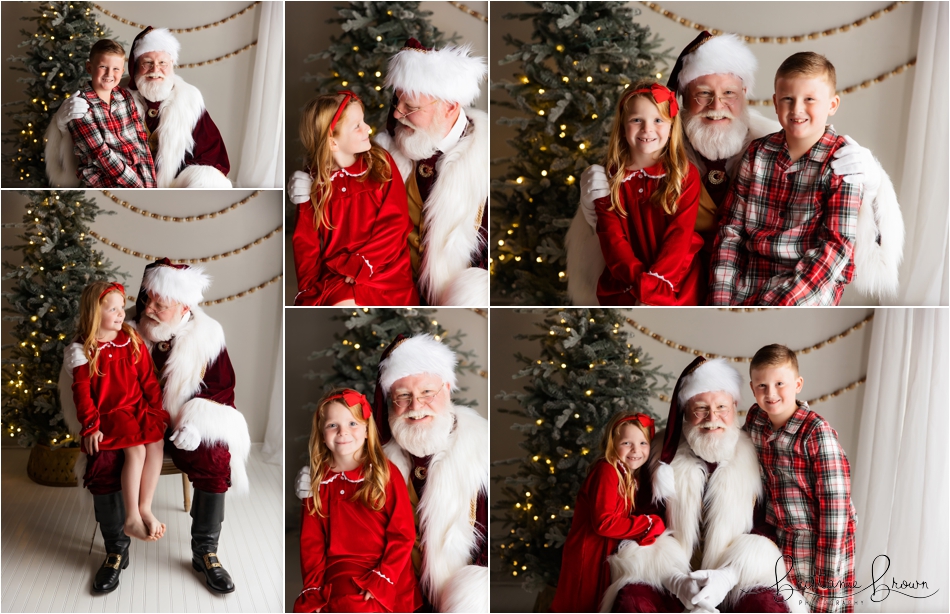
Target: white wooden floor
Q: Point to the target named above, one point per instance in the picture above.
(47, 567)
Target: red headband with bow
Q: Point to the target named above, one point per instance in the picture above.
(660, 94)
(644, 420)
(114, 286)
(347, 96)
(352, 398)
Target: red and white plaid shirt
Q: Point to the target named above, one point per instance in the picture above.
(808, 483)
(787, 232)
(111, 143)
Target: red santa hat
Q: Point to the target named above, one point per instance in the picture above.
(714, 55)
(154, 39)
(177, 282)
(407, 356)
(450, 73)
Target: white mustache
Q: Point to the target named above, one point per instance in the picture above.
(711, 425)
(154, 75)
(153, 317)
(418, 413)
(720, 114)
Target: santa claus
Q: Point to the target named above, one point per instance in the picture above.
(208, 439)
(714, 75)
(442, 449)
(186, 144)
(440, 145)
(717, 554)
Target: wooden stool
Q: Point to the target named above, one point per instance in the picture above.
(169, 468)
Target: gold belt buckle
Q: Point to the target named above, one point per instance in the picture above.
(109, 558)
(207, 559)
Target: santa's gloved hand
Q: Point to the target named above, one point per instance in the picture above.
(705, 606)
(858, 165)
(72, 108)
(594, 185)
(683, 588)
(298, 188)
(715, 584)
(185, 437)
(302, 485)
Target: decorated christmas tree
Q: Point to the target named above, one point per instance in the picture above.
(581, 56)
(56, 54)
(356, 353)
(587, 370)
(373, 33)
(58, 262)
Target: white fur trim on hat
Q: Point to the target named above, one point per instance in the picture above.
(449, 73)
(415, 355)
(159, 39)
(721, 54)
(711, 376)
(185, 286)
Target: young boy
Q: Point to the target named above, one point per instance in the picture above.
(807, 480)
(110, 139)
(788, 227)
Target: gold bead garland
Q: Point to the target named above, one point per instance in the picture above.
(273, 279)
(140, 26)
(471, 12)
(218, 59)
(695, 352)
(821, 399)
(480, 311)
(747, 309)
(781, 40)
(171, 218)
(131, 252)
(767, 102)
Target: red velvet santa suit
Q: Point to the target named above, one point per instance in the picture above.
(367, 242)
(125, 402)
(651, 256)
(601, 519)
(354, 548)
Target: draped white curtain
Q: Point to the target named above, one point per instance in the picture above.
(262, 156)
(273, 449)
(924, 189)
(899, 478)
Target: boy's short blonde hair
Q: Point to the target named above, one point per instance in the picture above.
(808, 64)
(774, 355)
(105, 46)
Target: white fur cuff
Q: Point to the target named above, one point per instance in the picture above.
(220, 423)
(466, 591)
(645, 564)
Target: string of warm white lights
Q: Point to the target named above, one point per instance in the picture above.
(131, 252)
(140, 26)
(683, 348)
(171, 218)
(781, 40)
(767, 102)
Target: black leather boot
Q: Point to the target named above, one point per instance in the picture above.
(207, 513)
(110, 514)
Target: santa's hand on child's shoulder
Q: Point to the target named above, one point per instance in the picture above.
(298, 188)
(594, 185)
(302, 484)
(72, 108)
(858, 165)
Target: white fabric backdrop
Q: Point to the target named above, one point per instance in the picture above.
(923, 192)
(262, 156)
(899, 478)
(273, 449)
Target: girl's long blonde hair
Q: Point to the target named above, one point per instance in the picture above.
(89, 319)
(673, 155)
(375, 465)
(315, 134)
(628, 479)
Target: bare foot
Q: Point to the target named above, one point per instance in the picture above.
(134, 527)
(156, 529)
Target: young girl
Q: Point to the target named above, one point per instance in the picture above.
(358, 531)
(119, 402)
(350, 243)
(646, 225)
(604, 515)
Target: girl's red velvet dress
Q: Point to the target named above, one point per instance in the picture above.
(125, 402)
(368, 242)
(354, 549)
(651, 255)
(601, 520)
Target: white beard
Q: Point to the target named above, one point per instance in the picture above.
(154, 91)
(154, 331)
(423, 439)
(416, 143)
(716, 142)
(711, 447)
